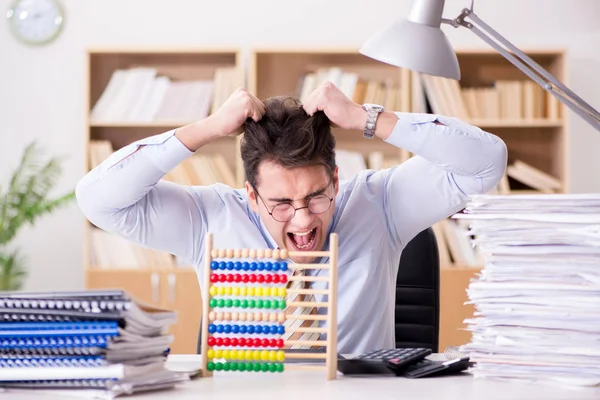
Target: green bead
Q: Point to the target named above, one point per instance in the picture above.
(244, 303)
(251, 303)
(236, 303)
(264, 367)
(279, 367)
(272, 367)
(213, 302)
(267, 304)
(210, 366)
(282, 304)
(227, 366)
(256, 367)
(234, 366)
(242, 366)
(220, 303)
(228, 303)
(259, 304)
(218, 366)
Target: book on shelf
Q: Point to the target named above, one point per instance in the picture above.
(95, 339)
(386, 92)
(512, 100)
(142, 95)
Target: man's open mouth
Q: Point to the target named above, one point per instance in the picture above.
(303, 240)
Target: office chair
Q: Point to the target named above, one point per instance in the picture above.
(418, 293)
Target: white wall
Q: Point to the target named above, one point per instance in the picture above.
(42, 89)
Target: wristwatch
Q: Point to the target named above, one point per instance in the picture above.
(373, 111)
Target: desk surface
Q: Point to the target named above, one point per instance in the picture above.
(311, 385)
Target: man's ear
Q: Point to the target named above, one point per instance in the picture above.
(251, 197)
(335, 181)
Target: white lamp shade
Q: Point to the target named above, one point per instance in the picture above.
(414, 46)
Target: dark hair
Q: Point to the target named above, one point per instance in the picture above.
(288, 136)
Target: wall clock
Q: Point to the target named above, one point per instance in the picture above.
(35, 22)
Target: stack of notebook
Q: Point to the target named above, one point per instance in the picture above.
(103, 341)
(537, 300)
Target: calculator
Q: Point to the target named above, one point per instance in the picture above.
(429, 368)
(374, 362)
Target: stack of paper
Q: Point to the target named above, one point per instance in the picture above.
(100, 340)
(537, 299)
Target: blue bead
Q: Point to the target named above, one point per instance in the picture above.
(250, 329)
(246, 266)
(220, 328)
(227, 329)
(212, 328)
(268, 266)
(253, 266)
(261, 329)
(281, 329)
(284, 266)
(237, 265)
(261, 266)
(243, 329)
(276, 266)
(222, 265)
(235, 329)
(214, 265)
(230, 265)
(274, 329)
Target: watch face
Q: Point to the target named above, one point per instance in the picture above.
(374, 107)
(35, 21)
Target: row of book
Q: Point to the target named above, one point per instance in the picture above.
(142, 94)
(387, 92)
(100, 343)
(513, 100)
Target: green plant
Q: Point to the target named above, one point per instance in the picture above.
(23, 202)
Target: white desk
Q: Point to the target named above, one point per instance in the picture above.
(308, 385)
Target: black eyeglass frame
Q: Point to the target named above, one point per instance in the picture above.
(307, 206)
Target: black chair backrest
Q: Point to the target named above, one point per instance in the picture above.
(418, 293)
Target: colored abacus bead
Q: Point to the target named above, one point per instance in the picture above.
(284, 266)
(229, 265)
(268, 253)
(214, 278)
(283, 254)
(276, 254)
(214, 265)
(237, 253)
(211, 341)
(212, 328)
(210, 366)
(212, 315)
(214, 253)
(245, 253)
(212, 303)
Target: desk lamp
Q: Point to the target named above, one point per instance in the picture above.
(418, 43)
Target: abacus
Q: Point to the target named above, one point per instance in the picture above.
(249, 285)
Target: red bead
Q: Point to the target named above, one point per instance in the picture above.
(237, 278)
(252, 278)
(229, 277)
(235, 342)
(264, 343)
(256, 342)
(260, 278)
(279, 343)
(242, 341)
(218, 341)
(222, 277)
(268, 278)
(226, 341)
(245, 278)
(214, 278)
(211, 341)
(272, 342)
(282, 278)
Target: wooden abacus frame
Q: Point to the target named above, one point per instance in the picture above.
(331, 305)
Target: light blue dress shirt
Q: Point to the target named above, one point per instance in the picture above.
(376, 213)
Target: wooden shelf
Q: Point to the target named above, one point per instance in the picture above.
(151, 124)
(519, 124)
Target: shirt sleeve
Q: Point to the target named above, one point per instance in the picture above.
(124, 195)
(451, 162)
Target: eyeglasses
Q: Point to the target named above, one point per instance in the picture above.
(284, 212)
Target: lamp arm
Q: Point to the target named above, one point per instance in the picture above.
(528, 66)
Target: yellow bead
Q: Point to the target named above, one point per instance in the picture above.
(248, 355)
(235, 291)
(256, 355)
(243, 291)
(264, 355)
(226, 354)
(272, 356)
(218, 353)
(250, 291)
(210, 353)
(281, 291)
(220, 290)
(280, 356)
(258, 291)
(212, 290)
(240, 354)
(228, 291)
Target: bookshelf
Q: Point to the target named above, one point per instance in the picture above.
(492, 94)
(134, 93)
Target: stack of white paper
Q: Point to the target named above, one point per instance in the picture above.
(537, 299)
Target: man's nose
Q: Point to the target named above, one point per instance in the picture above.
(303, 218)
